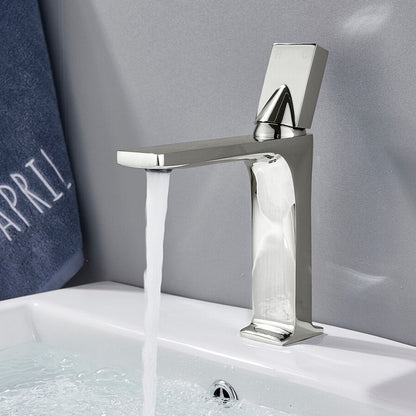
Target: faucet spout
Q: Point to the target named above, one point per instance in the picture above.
(199, 153)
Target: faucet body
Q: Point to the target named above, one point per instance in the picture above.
(282, 309)
(279, 158)
(281, 231)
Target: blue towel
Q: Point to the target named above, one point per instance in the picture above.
(40, 237)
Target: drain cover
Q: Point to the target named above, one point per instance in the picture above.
(224, 392)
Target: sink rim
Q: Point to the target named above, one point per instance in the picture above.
(350, 364)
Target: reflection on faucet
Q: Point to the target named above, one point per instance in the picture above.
(279, 158)
(269, 121)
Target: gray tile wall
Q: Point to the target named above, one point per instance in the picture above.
(133, 73)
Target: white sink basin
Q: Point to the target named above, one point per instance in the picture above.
(341, 373)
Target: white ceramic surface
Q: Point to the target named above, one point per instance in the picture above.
(340, 373)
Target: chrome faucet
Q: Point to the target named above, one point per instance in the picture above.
(279, 158)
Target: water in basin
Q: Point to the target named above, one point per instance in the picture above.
(38, 380)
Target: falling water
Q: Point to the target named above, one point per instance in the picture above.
(37, 379)
(156, 207)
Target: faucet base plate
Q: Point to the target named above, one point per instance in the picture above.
(281, 336)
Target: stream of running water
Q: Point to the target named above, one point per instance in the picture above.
(156, 207)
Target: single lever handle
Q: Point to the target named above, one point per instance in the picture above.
(270, 118)
(300, 67)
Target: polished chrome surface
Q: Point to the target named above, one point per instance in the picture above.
(275, 108)
(224, 392)
(279, 158)
(269, 121)
(281, 250)
(199, 153)
(301, 68)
